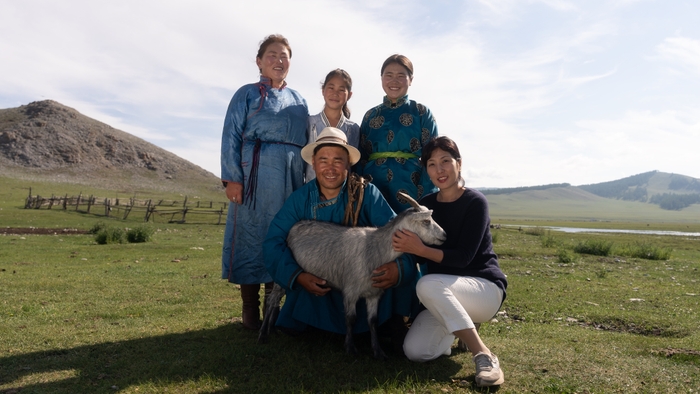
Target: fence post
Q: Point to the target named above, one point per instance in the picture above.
(148, 210)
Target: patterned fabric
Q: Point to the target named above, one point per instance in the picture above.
(301, 308)
(264, 131)
(319, 122)
(391, 141)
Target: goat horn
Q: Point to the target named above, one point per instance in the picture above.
(411, 201)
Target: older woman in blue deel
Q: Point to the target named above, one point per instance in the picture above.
(261, 165)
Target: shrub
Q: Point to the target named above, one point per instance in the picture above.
(548, 240)
(97, 227)
(594, 247)
(566, 257)
(602, 273)
(110, 235)
(494, 236)
(139, 234)
(647, 251)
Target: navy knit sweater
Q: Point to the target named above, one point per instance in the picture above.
(468, 250)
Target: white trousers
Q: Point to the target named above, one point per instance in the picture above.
(453, 303)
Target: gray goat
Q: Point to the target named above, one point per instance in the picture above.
(345, 257)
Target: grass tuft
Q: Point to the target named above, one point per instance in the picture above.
(138, 234)
(565, 256)
(644, 250)
(110, 235)
(594, 247)
(97, 227)
(548, 240)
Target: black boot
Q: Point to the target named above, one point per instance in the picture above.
(251, 306)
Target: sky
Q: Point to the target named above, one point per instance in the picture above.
(534, 92)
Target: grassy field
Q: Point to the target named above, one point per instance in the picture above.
(77, 317)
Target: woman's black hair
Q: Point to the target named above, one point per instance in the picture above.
(446, 144)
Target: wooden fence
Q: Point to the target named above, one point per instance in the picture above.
(177, 211)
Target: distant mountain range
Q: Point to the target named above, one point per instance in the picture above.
(668, 191)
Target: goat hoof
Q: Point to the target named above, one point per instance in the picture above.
(352, 350)
(380, 356)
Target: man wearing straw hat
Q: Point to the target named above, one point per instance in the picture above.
(333, 197)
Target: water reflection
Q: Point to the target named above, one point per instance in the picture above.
(607, 230)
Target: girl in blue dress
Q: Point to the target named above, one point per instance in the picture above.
(261, 165)
(392, 136)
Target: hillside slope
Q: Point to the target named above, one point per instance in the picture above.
(572, 203)
(668, 191)
(46, 140)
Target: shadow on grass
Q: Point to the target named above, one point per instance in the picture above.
(225, 359)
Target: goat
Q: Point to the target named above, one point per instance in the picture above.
(345, 257)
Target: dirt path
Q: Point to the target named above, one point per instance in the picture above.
(40, 231)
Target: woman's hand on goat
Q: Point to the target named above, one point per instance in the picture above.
(406, 241)
(386, 276)
(313, 284)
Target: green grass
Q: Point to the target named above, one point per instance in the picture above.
(155, 317)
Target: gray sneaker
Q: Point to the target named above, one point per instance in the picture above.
(488, 370)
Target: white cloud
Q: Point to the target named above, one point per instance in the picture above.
(534, 92)
(681, 51)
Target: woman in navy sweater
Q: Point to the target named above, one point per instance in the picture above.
(464, 284)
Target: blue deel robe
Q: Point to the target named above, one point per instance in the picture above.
(301, 308)
(405, 127)
(264, 131)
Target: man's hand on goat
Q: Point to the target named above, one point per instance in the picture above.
(386, 276)
(313, 284)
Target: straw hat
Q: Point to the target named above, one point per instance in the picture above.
(330, 135)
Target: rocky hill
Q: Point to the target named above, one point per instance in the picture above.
(49, 141)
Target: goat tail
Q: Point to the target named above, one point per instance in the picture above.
(272, 310)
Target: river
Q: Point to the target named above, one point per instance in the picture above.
(607, 230)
